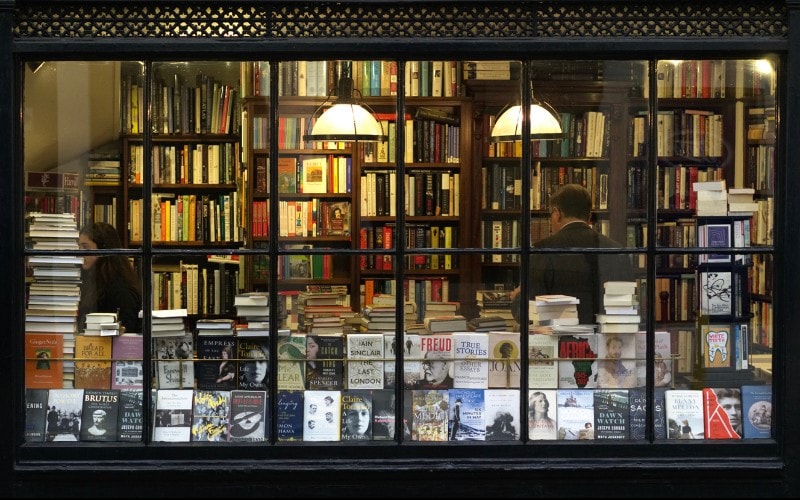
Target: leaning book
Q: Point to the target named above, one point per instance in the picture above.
(757, 411)
(64, 415)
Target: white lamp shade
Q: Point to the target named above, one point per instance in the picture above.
(346, 122)
(508, 126)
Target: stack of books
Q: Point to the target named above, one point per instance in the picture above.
(446, 323)
(168, 322)
(102, 324)
(712, 198)
(553, 310)
(741, 202)
(215, 326)
(621, 307)
(495, 303)
(323, 311)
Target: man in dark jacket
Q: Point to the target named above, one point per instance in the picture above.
(579, 275)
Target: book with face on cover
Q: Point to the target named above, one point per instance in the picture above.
(99, 415)
(685, 413)
(249, 418)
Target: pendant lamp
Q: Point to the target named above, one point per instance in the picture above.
(544, 123)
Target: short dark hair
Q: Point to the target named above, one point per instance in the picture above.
(573, 200)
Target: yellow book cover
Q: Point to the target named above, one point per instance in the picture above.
(95, 372)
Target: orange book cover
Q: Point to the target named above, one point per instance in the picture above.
(44, 368)
(95, 371)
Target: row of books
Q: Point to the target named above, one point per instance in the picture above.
(712, 79)
(310, 218)
(189, 217)
(427, 192)
(683, 132)
(311, 174)
(420, 235)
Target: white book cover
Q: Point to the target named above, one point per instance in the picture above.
(715, 293)
(322, 415)
(173, 415)
(365, 365)
(684, 412)
(542, 364)
(542, 414)
(575, 414)
(503, 422)
(412, 360)
(471, 356)
(663, 359)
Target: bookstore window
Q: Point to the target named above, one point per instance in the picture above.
(386, 272)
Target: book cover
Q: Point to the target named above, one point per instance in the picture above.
(219, 372)
(292, 362)
(429, 420)
(249, 417)
(173, 415)
(384, 416)
(35, 415)
(542, 414)
(612, 417)
(637, 398)
(210, 415)
(436, 366)
(357, 415)
(722, 412)
(412, 360)
(314, 178)
(577, 365)
(466, 415)
(684, 412)
(95, 372)
(471, 360)
(44, 368)
(501, 415)
(64, 414)
(126, 367)
(616, 360)
(575, 413)
(252, 363)
(99, 415)
(130, 420)
(718, 236)
(542, 364)
(505, 360)
(365, 361)
(716, 350)
(757, 411)
(289, 415)
(325, 362)
(287, 175)
(663, 359)
(716, 293)
(389, 363)
(174, 361)
(322, 415)
(338, 219)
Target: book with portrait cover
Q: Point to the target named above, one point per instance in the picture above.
(44, 368)
(723, 413)
(322, 415)
(467, 417)
(577, 365)
(501, 415)
(174, 361)
(575, 413)
(757, 411)
(99, 415)
(389, 363)
(471, 360)
(95, 371)
(325, 362)
(130, 421)
(252, 355)
(287, 175)
(357, 415)
(384, 415)
(542, 414)
(612, 414)
(126, 367)
(429, 414)
(215, 367)
(684, 412)
(35, 415)
(412, 360)
(64, 414)
(437, 361)
(616, 360)
(173, 415)
(210, 416)
(249, 418)
(289, 416)
(336, 222)
(542, 364)
(292, 362)
(365, 361)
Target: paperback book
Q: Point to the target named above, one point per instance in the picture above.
(501, 415)
(249, 416)
(575, 414)
(99, 415)
(210, 416)
(467, 420)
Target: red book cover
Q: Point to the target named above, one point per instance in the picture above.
(44, 368)
(362, 259)
(722, 412)
(388, 243)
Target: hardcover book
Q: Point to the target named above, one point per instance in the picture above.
(684, 412)
(252, 363)
(287, 175)
(577, 365)
(325, 362)
(384, 414)
(35, 415)
(757, 411)
(467, 418)
(289, 416)
(716, 345)
(64, 414)
(429, 414)
(663, 359)
(220, 371)
(292, 362)
(723, 413)
(314, 177)
(210, 415)
(542, 364)
(44, 368)
(322, 415)
(471, 360)
(542, 414)
(501, 415)
(365, 361)
(357, 415)
(126, 368)
(716, 296)
(616, 360)
(336, 222)
(173, 415)
(130, 421)
(249, 418)
(412, 360)
(575, 414)
(505, 360)
(95, 372)
(389, 364)
(174, 361)
(99, 415)
(611, 414)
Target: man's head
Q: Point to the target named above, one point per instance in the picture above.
(730, 401)
(614, 347)
(98, 417)
(571, 201)
(435, 367)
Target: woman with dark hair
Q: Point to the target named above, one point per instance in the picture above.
(109, 283)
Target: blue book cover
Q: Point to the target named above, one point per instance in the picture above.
(757, 411)
(290, 416)
(466, 415)
(375, 78)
